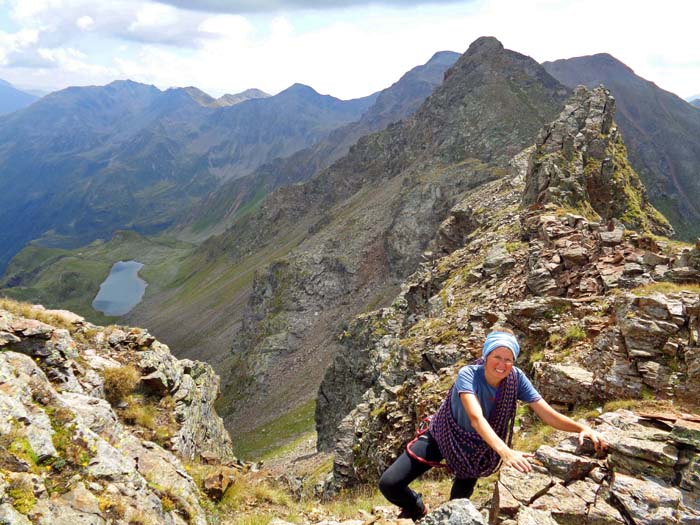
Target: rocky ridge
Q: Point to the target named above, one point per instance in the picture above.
(603, 313)
(367, 218)
(97, 424)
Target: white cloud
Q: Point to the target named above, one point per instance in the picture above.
(154, 16)
(345, 52)
(14, 45)
(85, 22)
(264, 6)
(231, 27)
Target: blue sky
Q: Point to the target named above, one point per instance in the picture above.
(348, 48)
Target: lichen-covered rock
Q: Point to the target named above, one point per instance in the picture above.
(605, 491)
(71, 457)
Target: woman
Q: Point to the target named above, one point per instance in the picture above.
(473, 428)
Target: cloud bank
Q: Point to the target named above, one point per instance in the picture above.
(268, 6)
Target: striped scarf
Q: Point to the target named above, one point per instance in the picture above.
(466, 453)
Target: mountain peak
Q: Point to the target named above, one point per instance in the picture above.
(443, 57)
(298, 89)
(129, 84)
(248, 94)
(485, 45)
(200, 97)
(489, 83)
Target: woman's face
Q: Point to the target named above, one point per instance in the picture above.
(498, 365)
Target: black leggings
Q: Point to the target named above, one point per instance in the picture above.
(395, 480)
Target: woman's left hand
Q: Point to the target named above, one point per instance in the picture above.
(599, 441)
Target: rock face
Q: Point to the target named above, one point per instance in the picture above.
(580, 162)
(602, 313)
(68, 455)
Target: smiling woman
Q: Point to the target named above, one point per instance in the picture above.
(473, 429)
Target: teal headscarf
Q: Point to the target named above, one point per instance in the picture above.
(497, 339)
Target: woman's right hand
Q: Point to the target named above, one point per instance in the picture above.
(517, 460)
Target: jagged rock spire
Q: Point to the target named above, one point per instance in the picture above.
(580, 161)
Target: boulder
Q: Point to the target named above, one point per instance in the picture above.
(455, 512)
(217, 482)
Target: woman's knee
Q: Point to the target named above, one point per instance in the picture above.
(387, 483)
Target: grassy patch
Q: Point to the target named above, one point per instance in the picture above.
(30, 311)
(119, 382)
(573, 334)
(140, 414)
(247, 492)
(267, 438)
(22, 495)
(666, 288)
(348, 504)
(258, 518)
(531, 439)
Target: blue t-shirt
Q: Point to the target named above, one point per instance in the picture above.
(471, 379)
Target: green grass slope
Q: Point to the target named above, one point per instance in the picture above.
(70, 279)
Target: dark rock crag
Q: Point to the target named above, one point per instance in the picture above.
(581, 162)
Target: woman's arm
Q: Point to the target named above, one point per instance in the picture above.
(510, 457)
(561, 422)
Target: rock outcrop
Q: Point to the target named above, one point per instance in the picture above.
(95, 423)
(649, 475)
(660, 131)
(581, 162)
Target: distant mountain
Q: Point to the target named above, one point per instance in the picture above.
(695, 102)
(394, 103)
(12, 99)
(660, 132)
(248, 94)
(279, 283)
(85, 161)
(226, 100)
(693, 97)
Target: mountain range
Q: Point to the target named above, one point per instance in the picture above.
(312, 217)
(12, 99)
(129, 156)
(397, 101)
